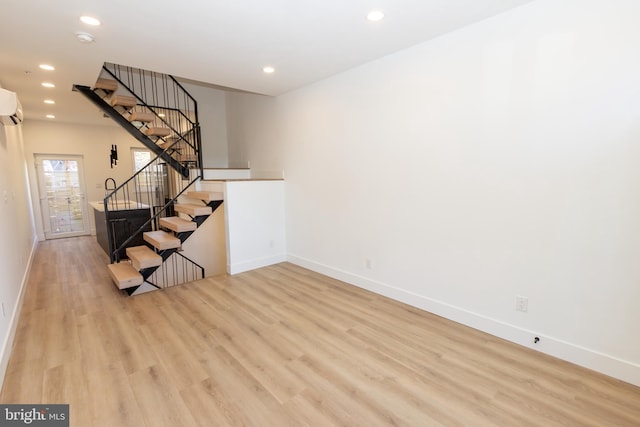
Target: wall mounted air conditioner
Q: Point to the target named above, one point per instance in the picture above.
(10, 108)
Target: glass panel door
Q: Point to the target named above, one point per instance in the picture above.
(60, 180)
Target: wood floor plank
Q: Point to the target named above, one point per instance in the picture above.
(65, 383)
(254, 354)
(211, 405)
(278, 346)
(159, 400)
(118, 406)
(23, 381)
(258, 404)
(122, 338)
(182, 364)
(92, 344)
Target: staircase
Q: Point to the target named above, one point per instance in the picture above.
(156, 110)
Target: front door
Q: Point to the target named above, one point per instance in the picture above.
(62, 195)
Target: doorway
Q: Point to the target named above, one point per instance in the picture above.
(62, 195)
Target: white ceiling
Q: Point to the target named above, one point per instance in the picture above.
(220, 42)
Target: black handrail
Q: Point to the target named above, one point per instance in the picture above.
(115, 254)
(143, 170)
(117, 72)
(126, 125)
(159, 81)
(153, 108)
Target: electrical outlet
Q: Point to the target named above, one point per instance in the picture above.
(522, 304)
(368, 264)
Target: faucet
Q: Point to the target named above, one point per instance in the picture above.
(107, 190)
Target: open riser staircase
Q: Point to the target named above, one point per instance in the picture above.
(156, 110)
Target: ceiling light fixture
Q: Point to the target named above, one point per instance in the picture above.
(268, 70)
(47, 84)
(375, 15)
(50, 116)
(47, 67)
(49, 101)
(85, 37)
(160, 115)
(90, 20)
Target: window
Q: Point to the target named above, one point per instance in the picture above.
(150, 181)
(146, 180)
(140, 158)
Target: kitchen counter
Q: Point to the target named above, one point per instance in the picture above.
(118, 205)
(119, 223)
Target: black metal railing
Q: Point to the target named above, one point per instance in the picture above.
(176, 269)
(142, 200)
(165, 120)
(119, 115)
(172, 106)
(158, 91)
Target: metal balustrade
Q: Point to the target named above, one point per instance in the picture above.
(156, 110)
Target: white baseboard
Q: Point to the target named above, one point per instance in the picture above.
(606, 364)
(241, 267)
(7, 345)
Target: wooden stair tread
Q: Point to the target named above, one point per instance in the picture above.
(178, 224)
(124, 275)
(157, 132)
(107, 85)
(177, 146)
(189, 157)
(123, 101)
(141, 116)
(193, 210)
(207, 196)
(161, 240)
(143, 257)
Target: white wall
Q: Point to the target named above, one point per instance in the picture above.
(91, 142)
(207, 245)
(213, 124)
(497, 161)
(255, 224)
(18, 242)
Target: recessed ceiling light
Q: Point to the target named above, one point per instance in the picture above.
(375, 15)
(268, 70)
(85, 37)
(90, 20)
(47, 84)
(160, 115)
(47, 67)
(50, 116)
(49, 101)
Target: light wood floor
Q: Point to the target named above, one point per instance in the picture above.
(280, 346)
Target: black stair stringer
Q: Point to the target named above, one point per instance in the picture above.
(165, 254)
(214, 204)
(131, 129)
(131, 290)
(183, 236)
